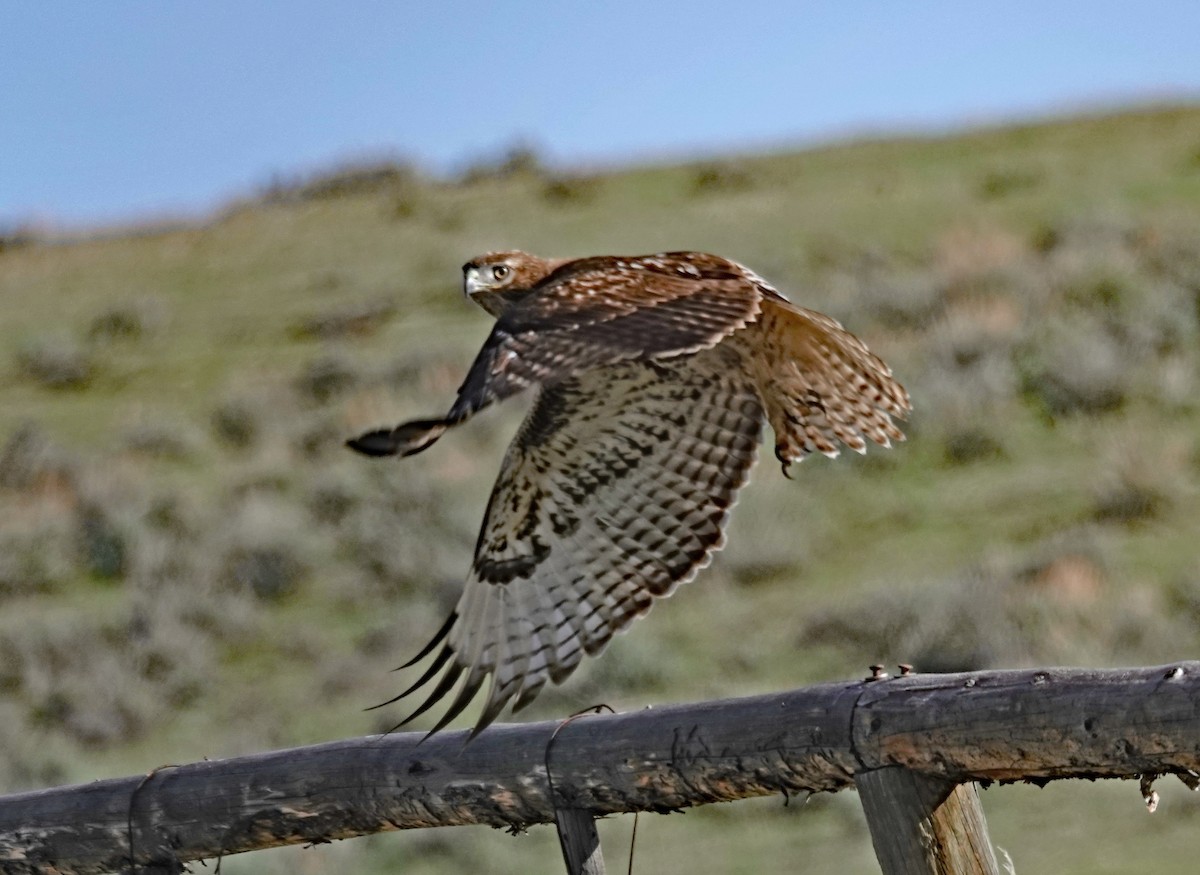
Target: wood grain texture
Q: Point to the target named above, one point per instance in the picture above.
(580, 841)
(1003, 725)
(925, 825)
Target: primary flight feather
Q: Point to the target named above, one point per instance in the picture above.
(653, 375)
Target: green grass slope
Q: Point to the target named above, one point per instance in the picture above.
(192, 566)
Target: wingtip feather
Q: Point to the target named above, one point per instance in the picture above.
(406, 439)
(433, 642)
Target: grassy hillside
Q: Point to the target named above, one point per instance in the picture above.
(192, 566)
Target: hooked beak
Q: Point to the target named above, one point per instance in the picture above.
(477, 290)
(471, 281)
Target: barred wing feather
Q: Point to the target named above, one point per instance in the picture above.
(615, 490)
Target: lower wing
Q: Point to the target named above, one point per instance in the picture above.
(615, 490)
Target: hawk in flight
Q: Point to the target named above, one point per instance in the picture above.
(653, 376)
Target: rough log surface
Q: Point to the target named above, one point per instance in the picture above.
(1010, 725)
(1044, 723)
(924, 824)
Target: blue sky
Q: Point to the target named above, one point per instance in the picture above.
(119, 110)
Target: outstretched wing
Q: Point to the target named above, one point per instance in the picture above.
(615, 490)
(604, 310)
(590, 313)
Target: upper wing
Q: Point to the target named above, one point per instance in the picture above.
(615, 490)
(589, 313)
(604, 310)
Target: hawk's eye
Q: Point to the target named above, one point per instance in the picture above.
(500, 271)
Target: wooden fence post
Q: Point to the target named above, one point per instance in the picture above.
(580, 841)
(924, 824)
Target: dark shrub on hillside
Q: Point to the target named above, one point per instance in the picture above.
(170, 514)
(102, 546)
(103, 681)
(331, 499)
(265, 550)
(566, 190)
(517, 160)
(16, 239)
(270, 572)
(971, 444)
(23, 457)
(326, 377)
(720, 177)
(904, 301)
(160, 440)
(1003, 182)
(1045, 239)
(34, 561)
(345, 181)
(57, 363)
(1074, 367)
(1140, 476)
(1044, 604)
(350, 320)
(1128, 503)
(236, 424)
(131, 320)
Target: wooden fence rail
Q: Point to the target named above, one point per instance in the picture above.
(912, 745)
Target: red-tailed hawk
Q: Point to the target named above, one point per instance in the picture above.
(653, 375)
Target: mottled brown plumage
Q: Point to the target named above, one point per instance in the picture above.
(653, 376)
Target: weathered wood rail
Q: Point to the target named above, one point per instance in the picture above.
(913, 746)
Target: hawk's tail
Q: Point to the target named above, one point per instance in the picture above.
(406, 439)
(822, 388)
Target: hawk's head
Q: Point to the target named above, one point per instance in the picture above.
(497, 279)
